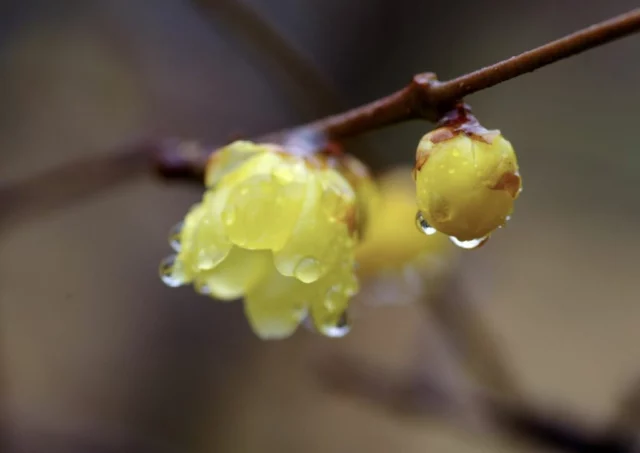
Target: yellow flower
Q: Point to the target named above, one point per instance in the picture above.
(277, 230)
(396, 262)
(467, 180)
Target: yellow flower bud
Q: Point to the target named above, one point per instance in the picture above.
(277, 230)
(466, 181)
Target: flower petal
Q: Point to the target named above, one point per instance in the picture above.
(319, 237)
(275, 306)
(261, 212)
(240, 271)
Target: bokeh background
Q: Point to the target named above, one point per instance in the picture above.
(97, 355)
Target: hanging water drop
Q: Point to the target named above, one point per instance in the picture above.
(423, 225)
(339, 329)
(174, 236)
(470, 244)
(202, 288)
(167, 272)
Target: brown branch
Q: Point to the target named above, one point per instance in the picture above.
(71, 183)
(427, 98)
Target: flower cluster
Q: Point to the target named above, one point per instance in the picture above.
(278, 230)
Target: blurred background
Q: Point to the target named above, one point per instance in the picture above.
(97, 355)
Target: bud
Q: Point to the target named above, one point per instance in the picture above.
(466, 179)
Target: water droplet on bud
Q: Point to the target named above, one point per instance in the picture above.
(470, 244)
(167, 274)
(423, 225)
(174, 236)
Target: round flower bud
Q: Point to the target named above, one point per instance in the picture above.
(467, 180)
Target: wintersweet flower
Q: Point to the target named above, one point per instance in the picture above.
(278, 230)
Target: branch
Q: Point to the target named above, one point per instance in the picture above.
(73, 182)
(427, 98)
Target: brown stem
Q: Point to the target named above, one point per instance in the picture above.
(427, 98)
(573, 44)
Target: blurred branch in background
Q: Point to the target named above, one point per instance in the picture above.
(470, 408)
(459, 322)
(300, 79)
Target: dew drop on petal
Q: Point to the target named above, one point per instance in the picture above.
(470, 244)
(174, 236)
(308, 270)
(423, 225)
(167, 273)
(229, 216)
(205, 261)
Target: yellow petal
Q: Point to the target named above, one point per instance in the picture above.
(275, 306)
(261, 212)
(319, 236)
(240, 271)
(230, 157)
(329, 299)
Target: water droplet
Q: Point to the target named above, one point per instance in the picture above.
(229, 216)
(205, 260)
(174, 236)
(202, 288)
(308, 270)
(423, 226)
(470, 244)
(339, 329)
(167, 273)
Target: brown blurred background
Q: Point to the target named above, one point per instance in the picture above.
(97, 355)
